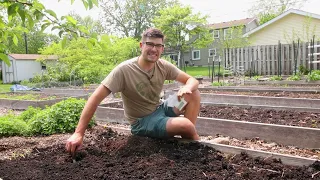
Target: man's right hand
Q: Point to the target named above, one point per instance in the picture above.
(74, 143)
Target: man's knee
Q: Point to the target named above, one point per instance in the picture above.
(194, 96)
(180, 125)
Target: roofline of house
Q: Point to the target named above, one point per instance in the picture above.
(37, 55)
(253, 19)
(295, 11)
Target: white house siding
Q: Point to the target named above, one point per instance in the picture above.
(9, 72)
(271, 34)
(27, 69)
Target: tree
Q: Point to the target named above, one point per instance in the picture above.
(265, 10)
(93, 26)
(265, 17)
(36, 40)
(233, 39)
(178, 23)
(90, 64)
(31, 12)
(130, 18)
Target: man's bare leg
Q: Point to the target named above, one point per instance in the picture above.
(185, 126)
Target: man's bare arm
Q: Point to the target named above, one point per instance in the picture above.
(91, 106)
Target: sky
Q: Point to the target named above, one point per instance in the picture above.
(218, 10)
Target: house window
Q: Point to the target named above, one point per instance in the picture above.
(216, 34)
(227, 33)
(212, 52)
(196, 55)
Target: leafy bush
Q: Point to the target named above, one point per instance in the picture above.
(294, 78)
(12, 126)
(59, 118)
(275, 78)
(29, 113)
(303, 70)
(216, 83)
(256, 77)
(221, 83)
(314, 76)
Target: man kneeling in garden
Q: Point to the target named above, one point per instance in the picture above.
(140, 81)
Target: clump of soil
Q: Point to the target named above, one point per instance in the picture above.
(108, 155)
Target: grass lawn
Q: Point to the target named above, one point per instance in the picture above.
(5, 88)
(199, 71)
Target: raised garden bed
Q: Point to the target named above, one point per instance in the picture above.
(283, 82)
(21, 101)
(269, 116)
(109, 156)
(282, 134)
(312, 94)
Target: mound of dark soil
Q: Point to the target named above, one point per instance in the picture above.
(110, 156)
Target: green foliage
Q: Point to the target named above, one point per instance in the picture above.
(303, 70)
(36, 40)
(256, 77)
(233, 39)
(30, 13)
(29, 113)
(275, 78)
(294, 77)
(220, 83)
(314, 76)
(131, 17)
(265, 17)
(178, 22)
(216, 83)
(91, 65)
(61, 117)
(11, 126)
(18, 96)
(167, 58)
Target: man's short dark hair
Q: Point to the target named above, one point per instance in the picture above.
(152, 32)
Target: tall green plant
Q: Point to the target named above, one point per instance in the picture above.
(61, 117)
(31, 12)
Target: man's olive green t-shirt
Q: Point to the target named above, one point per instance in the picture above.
(140, 90)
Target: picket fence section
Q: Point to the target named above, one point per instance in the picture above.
(273, 59)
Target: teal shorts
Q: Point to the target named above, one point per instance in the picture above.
(154, 124)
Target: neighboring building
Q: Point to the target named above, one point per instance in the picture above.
(286, 27)
(200, 57)
(23, 67)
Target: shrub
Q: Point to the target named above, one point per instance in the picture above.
(12, 126)
(314, 76)
(303, 70)
(256, 77)
(29, 113)
(294, 78)
(275, 78)
(59, 118)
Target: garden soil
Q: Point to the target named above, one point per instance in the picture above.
(107, 155)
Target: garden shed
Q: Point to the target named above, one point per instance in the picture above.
(23, 67)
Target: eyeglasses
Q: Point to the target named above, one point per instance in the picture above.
(151, 45)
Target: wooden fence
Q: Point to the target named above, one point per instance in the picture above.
(273, 59)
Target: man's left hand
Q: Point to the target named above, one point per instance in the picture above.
(182, 91)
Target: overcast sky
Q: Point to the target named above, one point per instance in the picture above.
(218, 10)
